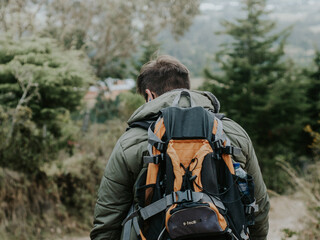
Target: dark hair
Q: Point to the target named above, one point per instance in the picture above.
(162, 75)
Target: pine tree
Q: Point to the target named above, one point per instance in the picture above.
(257, 88)
(250, 63)
(313, 93)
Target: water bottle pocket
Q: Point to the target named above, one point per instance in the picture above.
(246, 189)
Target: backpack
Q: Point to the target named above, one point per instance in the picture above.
(189, 189)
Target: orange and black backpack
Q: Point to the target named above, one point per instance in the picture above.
(189, 189)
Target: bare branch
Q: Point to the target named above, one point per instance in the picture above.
(25, 81)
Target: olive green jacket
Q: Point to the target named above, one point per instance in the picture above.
(116, 192)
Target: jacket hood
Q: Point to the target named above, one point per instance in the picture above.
(151, 109)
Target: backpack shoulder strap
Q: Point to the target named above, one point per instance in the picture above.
(140, 124)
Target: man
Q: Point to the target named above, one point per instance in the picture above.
(159, 82)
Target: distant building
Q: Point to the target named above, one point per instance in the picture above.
(111, 88)
(117, 86)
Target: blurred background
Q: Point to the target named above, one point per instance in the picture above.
(67, 87)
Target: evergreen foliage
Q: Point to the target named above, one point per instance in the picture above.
(258, 90)
(40, 84)
(313, 92)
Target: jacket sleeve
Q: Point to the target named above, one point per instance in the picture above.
(249, 162)
(114, 197)
(258, 231)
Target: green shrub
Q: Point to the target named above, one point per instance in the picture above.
(129, 102)
(40, 84)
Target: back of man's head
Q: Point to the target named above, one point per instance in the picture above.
(162, 75)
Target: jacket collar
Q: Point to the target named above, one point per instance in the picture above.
(151, 109)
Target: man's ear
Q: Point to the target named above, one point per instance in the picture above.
(150, 95)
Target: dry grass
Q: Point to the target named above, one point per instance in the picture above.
(30, 205)
(60, 199)
(309, 186)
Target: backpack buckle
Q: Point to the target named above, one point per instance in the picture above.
(218, 144)
(159, 146)
(185, 196)
(153, 159)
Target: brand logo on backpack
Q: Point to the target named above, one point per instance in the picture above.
(190, 189)
(189, 223)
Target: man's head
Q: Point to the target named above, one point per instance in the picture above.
(162, 75)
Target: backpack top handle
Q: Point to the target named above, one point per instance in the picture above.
(185, 93)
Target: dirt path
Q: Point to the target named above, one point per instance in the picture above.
(287, 214)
